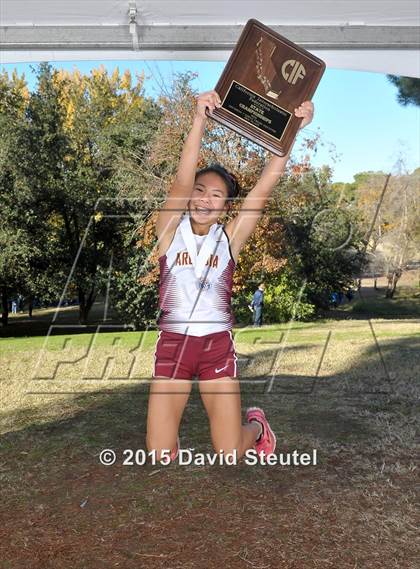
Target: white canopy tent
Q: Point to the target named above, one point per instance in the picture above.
(368, 35)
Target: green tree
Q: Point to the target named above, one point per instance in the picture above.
(76, 130)
(408, 89)
(19, 251)
(15, 254)
(135, 295)
(323, 237)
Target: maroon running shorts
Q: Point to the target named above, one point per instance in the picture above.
(181, 356)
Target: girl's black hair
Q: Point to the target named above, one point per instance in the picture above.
(230, 180)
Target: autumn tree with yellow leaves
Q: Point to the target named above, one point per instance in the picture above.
(65, 173)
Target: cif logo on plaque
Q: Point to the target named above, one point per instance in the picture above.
(293, 70)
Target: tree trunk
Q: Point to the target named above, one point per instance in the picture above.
(5, 307)
(85, 304)
(392, 283)
(30, 305)
(82, 308)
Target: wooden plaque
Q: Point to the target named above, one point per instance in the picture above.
(265, 79)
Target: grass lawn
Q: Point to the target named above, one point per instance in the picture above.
(348, 388)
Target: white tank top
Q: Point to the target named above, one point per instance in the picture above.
(196, 275)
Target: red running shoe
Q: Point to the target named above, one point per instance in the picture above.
(175, 451)
(267, 442)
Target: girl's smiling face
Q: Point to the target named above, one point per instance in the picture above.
(208, 199)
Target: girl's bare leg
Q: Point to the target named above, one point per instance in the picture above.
(222, 401)
(167, 401)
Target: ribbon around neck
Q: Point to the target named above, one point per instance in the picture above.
(198, 260)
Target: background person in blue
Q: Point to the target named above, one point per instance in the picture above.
(257, 305)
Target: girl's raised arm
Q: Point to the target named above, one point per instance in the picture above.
(182, 186)
(243, 225)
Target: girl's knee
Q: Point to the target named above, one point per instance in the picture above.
(160, 447)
